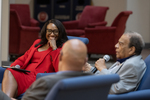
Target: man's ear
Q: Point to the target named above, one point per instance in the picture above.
(86, 59)
(132, 50)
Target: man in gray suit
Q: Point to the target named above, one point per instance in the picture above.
(73, 57)
(130, 65)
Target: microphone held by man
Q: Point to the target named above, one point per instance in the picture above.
(106, 58)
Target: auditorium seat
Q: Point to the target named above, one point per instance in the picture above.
(92, 87)
(83, 39)
(91, 16)
(23, 30)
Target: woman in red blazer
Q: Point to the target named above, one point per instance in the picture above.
(42, 57)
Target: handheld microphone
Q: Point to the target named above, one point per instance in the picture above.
(106, 58)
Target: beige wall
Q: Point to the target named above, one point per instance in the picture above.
(4, 30)
(139, 21)
(115, 6)
(0, 31)
(30, 2)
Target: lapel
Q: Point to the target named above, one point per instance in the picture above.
(116, 67)
(29, 57)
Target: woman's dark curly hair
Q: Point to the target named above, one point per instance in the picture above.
(62, 37)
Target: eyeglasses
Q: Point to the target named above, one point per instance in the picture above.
(55, 32)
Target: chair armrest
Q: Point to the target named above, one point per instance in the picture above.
(29, 28)
(92, 25)
(84, 40)
(100, 29)
(43, 74)
(1, 73)
(71, 24)
(34, 22)
(15, 17)
(135, 95)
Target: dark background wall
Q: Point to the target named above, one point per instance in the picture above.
(62, 10)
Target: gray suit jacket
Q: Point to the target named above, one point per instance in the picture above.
(40, 88)
(3, 96)
(130, 71)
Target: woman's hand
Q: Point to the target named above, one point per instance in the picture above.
(17, 66)
(52, 43)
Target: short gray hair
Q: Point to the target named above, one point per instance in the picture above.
(136, 40)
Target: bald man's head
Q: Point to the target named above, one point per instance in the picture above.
(73, 55)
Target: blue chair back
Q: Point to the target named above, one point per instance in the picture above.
(1, 73)
(145, 82)
(84, 40)
(93, 87)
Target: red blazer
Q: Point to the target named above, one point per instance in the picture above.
(47, 63)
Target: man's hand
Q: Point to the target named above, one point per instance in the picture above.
(87, 67)
(100, 64)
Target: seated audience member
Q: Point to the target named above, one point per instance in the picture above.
(73, 57)
(40, 58)
(130, 65)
